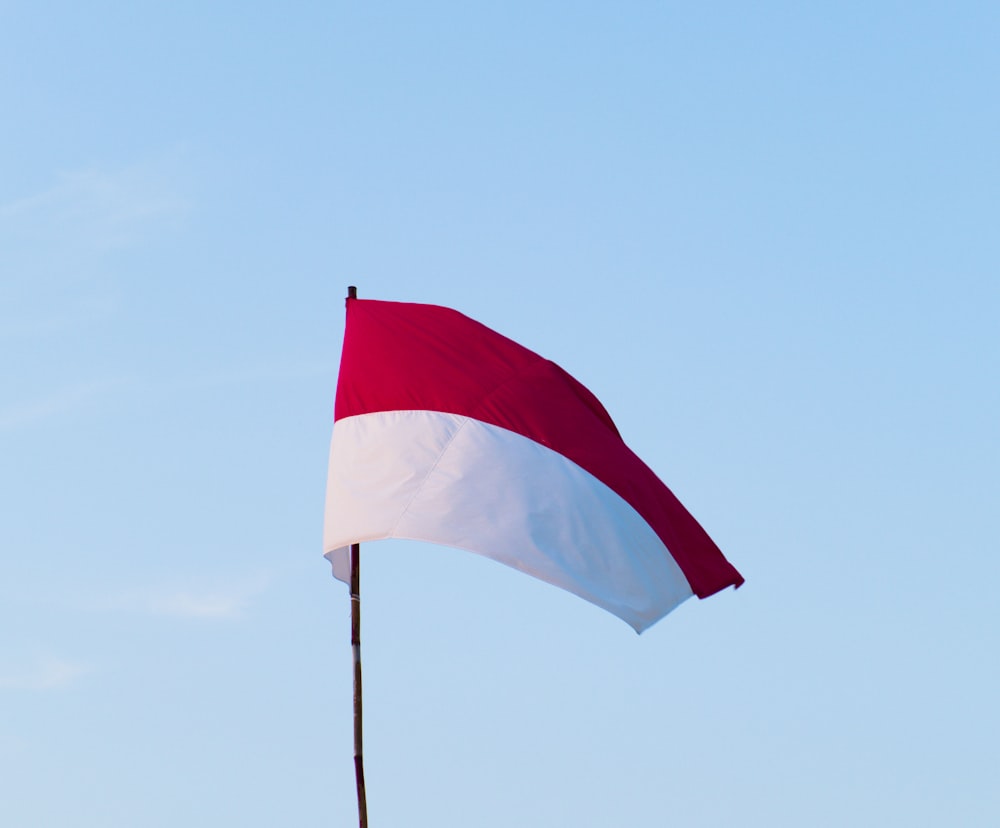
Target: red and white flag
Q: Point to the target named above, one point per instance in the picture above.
(447, 432)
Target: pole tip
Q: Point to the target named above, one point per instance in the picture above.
(352, 292)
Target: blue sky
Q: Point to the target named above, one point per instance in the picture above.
(764, 236)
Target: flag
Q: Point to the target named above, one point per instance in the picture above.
(446, 431)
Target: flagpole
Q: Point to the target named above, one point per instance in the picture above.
(359, 766)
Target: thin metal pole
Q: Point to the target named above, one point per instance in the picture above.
(359, 765)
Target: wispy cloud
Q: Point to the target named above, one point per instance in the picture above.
(61, 401)
(44, 673)
(59, 245)
(216, 600)
(96, 209)
(69, 314)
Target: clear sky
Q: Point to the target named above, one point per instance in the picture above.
(765, 235)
